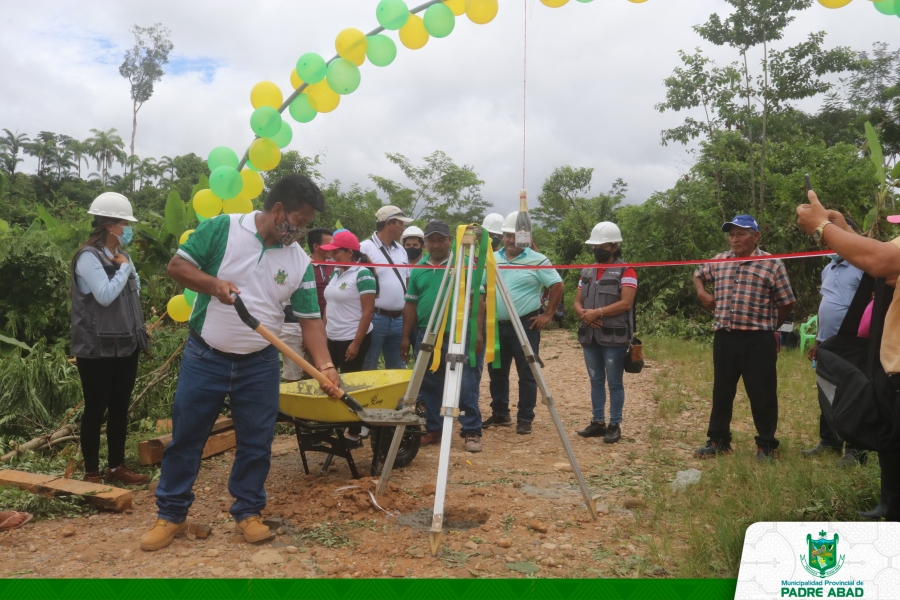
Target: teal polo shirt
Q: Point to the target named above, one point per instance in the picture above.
(423, 290)
(524, 285)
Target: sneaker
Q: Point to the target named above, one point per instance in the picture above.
(764, 454)
(161, 535)
(126, 476)
(613, 434)
(500, 420)
(431, 438)
(523, 427)
(594, 429)
(852, 458)
(92, 477)
(713, 449)
(254, 530)
(473, 442)
(821, 448)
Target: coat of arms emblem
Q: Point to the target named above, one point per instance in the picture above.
(823, 555)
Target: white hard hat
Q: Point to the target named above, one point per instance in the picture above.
(493, 223)
(412, 231)
(509, 223)
(604, 233)
(111, 204)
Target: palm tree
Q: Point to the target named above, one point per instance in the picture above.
(132, 162)
(14, 142)
(166, 165)
(106, 147)
(81, 153)
(42, 150)
(148, 170)
(63, 161)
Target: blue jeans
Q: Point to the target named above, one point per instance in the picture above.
(510, 351)
(606, 364)
(203, 381)
(386, 335)
(432, 393)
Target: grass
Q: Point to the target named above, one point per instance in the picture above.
(700, 532)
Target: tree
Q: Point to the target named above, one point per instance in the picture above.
(13, 142)
(442, 189)
(106, 147)
(80, 153)
(143, 66)
(165, 165)
(874, 90)
(43, 148)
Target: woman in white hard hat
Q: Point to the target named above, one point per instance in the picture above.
(605, 304)
(413, 241)
(108, 333)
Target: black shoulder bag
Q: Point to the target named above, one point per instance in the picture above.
(396, 272)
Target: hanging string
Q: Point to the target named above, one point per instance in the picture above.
(524, 86)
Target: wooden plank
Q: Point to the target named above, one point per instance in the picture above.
(219, 442)
(29, 482)
(104, 496)
(150, 451)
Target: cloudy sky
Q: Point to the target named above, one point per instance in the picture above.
(595, 71)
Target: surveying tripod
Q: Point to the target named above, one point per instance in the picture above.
(457, 287)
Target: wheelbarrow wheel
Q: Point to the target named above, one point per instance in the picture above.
(409, 445)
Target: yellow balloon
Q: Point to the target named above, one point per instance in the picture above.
(457, 6)
(322, 98)
(253, 184)
(413, 35)
(295, 80)
(237, 206)
(179, 309)
(834, 3)
(481, 12)
(207, 204)
(265, 154)
(185, 236)
(637, 1)
(554, 3)
(266, 93)
(352, 44)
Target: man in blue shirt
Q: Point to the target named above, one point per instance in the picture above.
(839, 282)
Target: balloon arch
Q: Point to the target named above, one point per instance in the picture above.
(317, 87)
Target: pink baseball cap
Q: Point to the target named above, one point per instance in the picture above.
(893, 219)
(342, 240)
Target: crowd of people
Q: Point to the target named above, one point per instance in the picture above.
(354, 316)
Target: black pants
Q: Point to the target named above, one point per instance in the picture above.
(107, 384)
(889, 461)
(751, 355)
(511, 351)
(338, 350)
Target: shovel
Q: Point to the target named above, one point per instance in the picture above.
(376, 417)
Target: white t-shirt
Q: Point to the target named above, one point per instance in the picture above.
(343, 308)
(390, 293)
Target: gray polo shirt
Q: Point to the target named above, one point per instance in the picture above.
(390, 290)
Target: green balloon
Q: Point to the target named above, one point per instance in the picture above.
(439, 20)
(284, 137)
(301, 109)
(265, 122)
(343, 76)
(225, 182)
(391, 14)
(382, 50)
(311, 68)
(201, 218)
(222, 156)
(886, 7)
(585, 1)
(190, 296)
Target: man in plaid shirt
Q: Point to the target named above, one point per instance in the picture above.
(751, 301)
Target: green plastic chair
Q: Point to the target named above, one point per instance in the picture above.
(808, 332)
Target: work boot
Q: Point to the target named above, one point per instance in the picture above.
(613, 434)
(254, 530)
(430, 438)
(523, 427)
(852, 458)
(162, 534)
(473, 442)
(876, 514)
(594, 429)
(500, 420)
(126, 476)
(92, 477)
(713, 449)
(821, 448)
(764, 454)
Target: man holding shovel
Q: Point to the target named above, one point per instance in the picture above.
(254, 255)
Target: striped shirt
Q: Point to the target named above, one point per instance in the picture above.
(748, 294)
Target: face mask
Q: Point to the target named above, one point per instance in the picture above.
(601, 255)
(287, 234)
(127, 235)
(413, 253)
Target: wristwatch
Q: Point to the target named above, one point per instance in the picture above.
(817, 234)
(325, 367)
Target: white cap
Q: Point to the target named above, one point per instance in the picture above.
(509, 223)
(493, 223)
(386, 213)
(111, 204)
(412, 231)
(605, 233)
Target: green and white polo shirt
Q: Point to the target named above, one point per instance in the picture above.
(343, 307)
(229, 247)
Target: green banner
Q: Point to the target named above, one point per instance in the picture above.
(347, 589)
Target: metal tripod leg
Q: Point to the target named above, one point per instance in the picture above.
(545, 391)
(423, 359)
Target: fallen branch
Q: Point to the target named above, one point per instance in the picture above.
(159, 375)
(158, 321)
(44, 441)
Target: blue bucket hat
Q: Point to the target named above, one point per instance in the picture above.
(745, 221)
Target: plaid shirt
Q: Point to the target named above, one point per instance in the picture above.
(748, 293)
